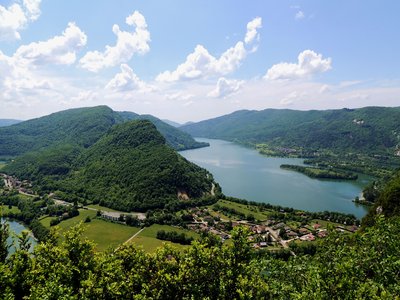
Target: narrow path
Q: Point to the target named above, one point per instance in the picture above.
(26, 194)
(133, 236)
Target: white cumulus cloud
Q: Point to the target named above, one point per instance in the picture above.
(252, 28)
(127, 80)
(308, 63)
(57, 50)
(128, 43)
(16, 17)
(18, 80)
(200, 63)
(225, 88)
(21, 75)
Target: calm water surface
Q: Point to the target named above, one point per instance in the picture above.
(16, 229)
(244, 173)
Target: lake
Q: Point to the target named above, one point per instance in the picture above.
(244, 173)
(15, 229)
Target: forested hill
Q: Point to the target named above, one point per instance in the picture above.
(79, 127)
(176, 138)
(129, 168)
(369, 129)
(386, 197)
(82, 126)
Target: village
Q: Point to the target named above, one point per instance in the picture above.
(267, 233)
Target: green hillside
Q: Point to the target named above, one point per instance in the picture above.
(80, 127)
(370, 129)
(386, 197)
(129, 168)
(176, 138)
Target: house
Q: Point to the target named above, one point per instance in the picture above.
(322, 233)
(291, 234)
(316, 226)
(308, 237)
(234, 224)
(258, 229)
(279, 226)
(303, 231)
(353, 228)
(263, 244)
(287, 228)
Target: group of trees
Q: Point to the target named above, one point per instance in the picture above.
(325, 173)
(174, 236)
(364, 265)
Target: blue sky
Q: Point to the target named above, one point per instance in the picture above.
(193, 60)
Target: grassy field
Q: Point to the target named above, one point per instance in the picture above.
(64, 225)
(106, 234)
(4, 209)
(2, 164)
(103, 233)
(243, 209)
(147, 238)
(324, 223)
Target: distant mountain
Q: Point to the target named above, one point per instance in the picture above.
(129, 168)
(8, 122)
(187, 123)
(369, 129)
(172, 123)
(81, 127)
(176, 138)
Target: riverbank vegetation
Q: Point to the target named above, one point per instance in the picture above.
(321, 173)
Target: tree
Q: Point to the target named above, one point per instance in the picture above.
(4, 246)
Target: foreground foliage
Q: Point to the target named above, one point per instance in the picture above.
(364, 265)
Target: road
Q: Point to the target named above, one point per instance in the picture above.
(279, 240)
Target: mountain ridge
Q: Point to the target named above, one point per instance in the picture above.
(364, 129)
(78, 126)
